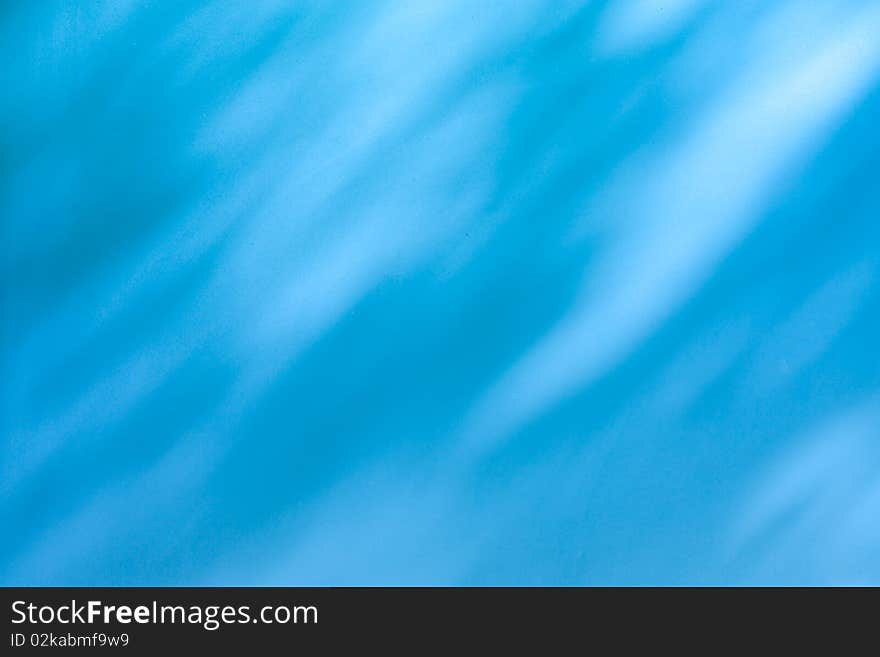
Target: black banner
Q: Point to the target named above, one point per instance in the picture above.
(147, 620)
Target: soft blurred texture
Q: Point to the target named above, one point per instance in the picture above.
(440, 292)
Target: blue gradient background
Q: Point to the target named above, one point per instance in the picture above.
(440, 292)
